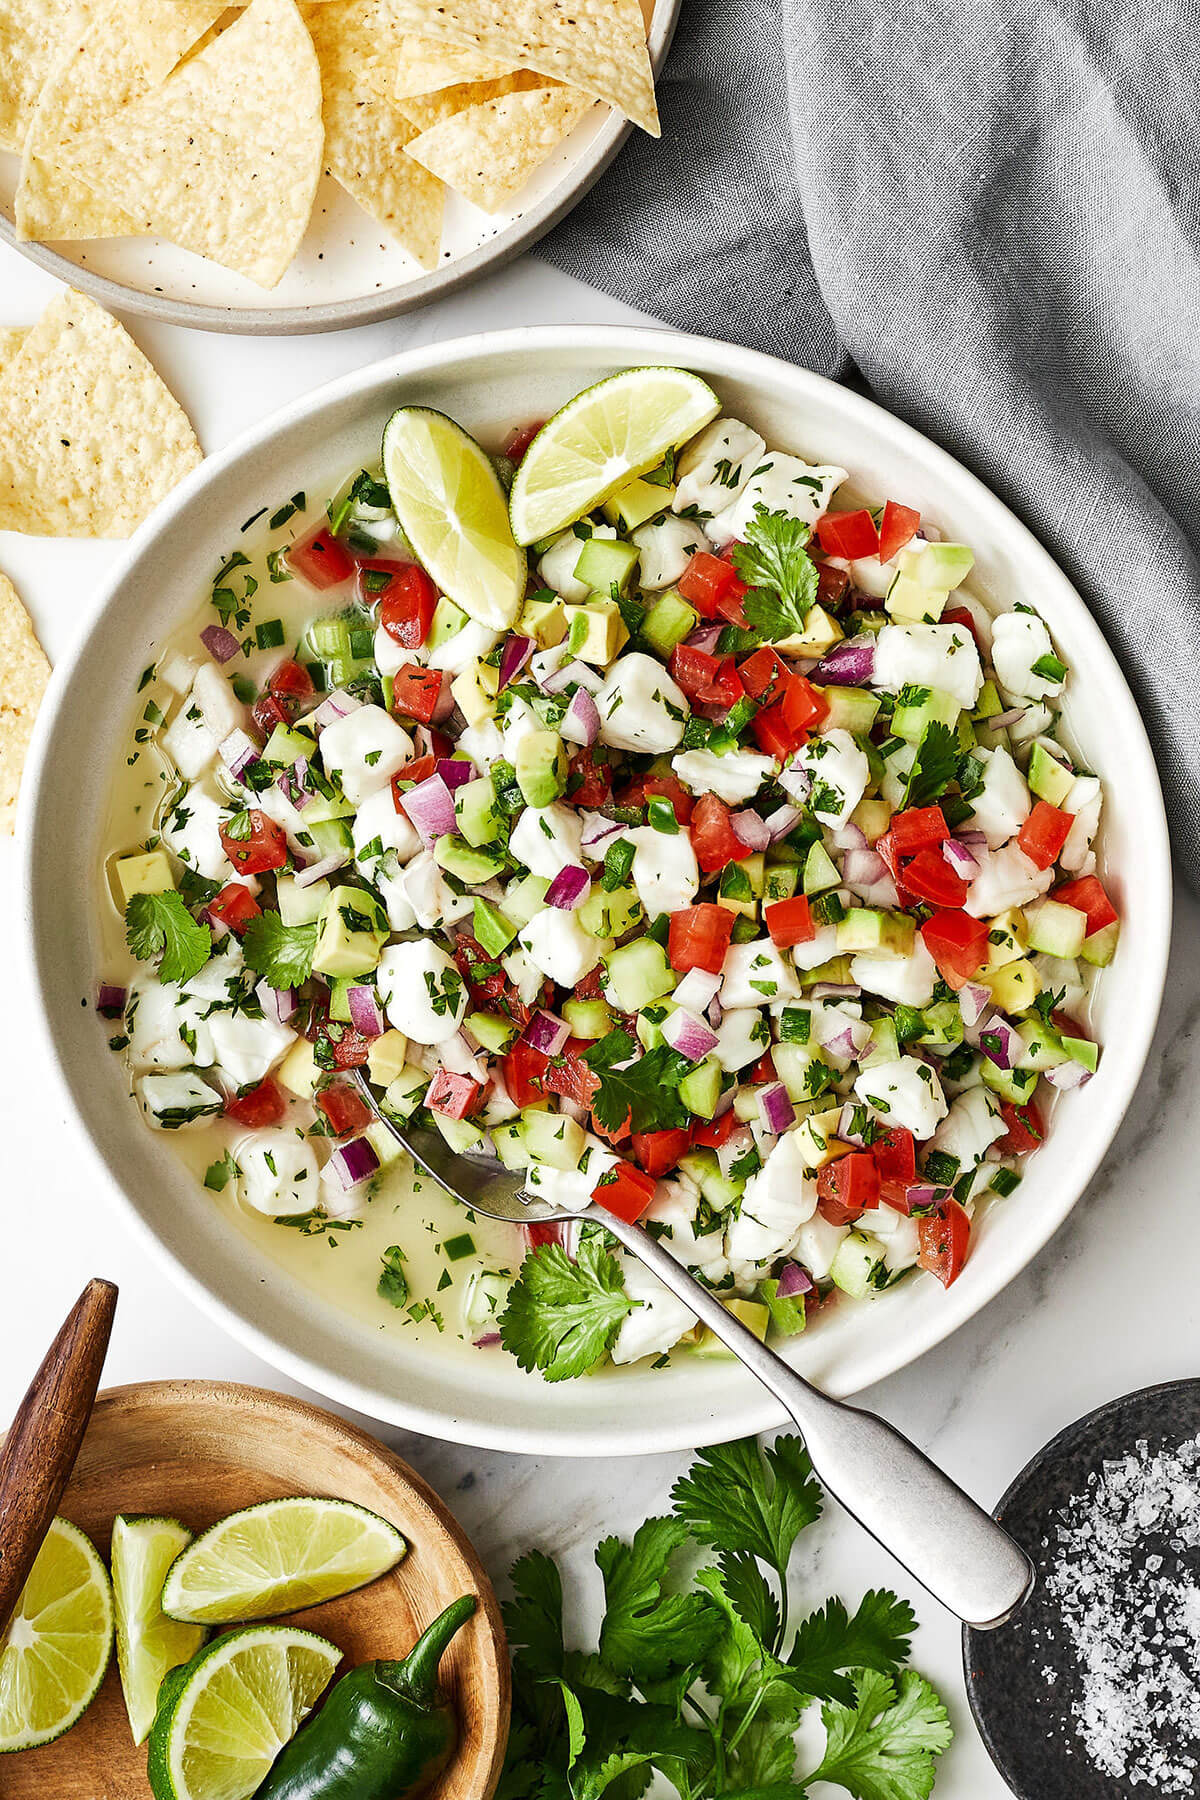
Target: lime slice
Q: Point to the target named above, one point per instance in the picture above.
(53, 1658)
(600, 440)
(225, 1716)
(278, 1557)
(449, 500)
(148, 1643)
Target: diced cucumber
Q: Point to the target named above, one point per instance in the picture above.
(794, 1064)
(287, 745)
(406, 1092)
(330, 638)
(448, 620)
(855, 1261)
(484, 1299)
(820, 872)
(509, 1141)
(493, 931)
(943, 1025)
(1082, 1051)
(339, 999)
(465, 863)
(752, 1313)
(637, 974)
(1100, 947)
(1041, 1046)
(735, 891)
(780, 881)
(837, 969)
(609, 915)
(491, 1030)
(523, 899)
(648, 1024)
(541, 767)
(300, 905)
(605, 562)
(459, 1134)
(384, 1142)
(331, 837)
(884, 1045)
(703, 1168)
(788, 1316)
(1055, 929)
(911, 721)
(325, 809)
(867, 928)
(588, 1018)
(1016, 1084)
(850, 709)
(668, 622)
(636, 502)
(700, 1088)
(552, 1138)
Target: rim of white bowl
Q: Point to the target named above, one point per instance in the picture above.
(755, 1409)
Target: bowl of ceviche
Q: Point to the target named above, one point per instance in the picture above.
(651, 766)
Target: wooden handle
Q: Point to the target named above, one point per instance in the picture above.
(43, 1441)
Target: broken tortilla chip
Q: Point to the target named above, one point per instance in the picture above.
(33, 35)
(598, 46)
(24, 672)
(223, 158)
(418, 65)
(91, 438)
(11, 339)
(129, 47)
(424, 111)
(489, 152)
(365, 138)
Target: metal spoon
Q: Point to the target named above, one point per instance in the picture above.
(906, 1503)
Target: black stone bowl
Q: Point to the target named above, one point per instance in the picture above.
(1024, 1715)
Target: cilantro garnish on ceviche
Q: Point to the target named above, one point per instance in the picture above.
(715, 854)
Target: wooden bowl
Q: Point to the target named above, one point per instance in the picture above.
(196, 1450)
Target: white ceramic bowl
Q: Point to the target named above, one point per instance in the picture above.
(489, 382)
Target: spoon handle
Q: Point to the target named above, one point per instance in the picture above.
(39, 1451)
(929, 1524)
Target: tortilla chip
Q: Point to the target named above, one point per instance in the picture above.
(129, 48)
(90, 437)
(11, 339)
(33, 35)
(419, 65)
(489, 152)
(598, 46)
(364, 150)
(24, 673)
(223, 158)
(427, 110)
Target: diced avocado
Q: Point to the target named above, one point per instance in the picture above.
(884, 1047)
(1056, 930)
(1082, 1051)
(552, 1138)
(1016, 1084)
(596, 632)
(510, 1145)
(751, 1313)
(937, 565)
(788, 1316)
(494, 932)
(850, 709)
(817, 1139)
(938, 708)
(588, 1018)
(299, 1071)
(300, 905)
(465, 862)
(637, 974)
(475, 811)
(405, 1093)
(866, 928)
(545, 621)
(943, 1025)
(604, 563)
(735, 891)
(1100, 948)
(854, 1262)
(821, 632)
(489, 677)
(148, 872)
(339, 999)
(668, 622)
(491, 1030)
(909, 602)
(965, 733)
(820, 871)
(1007, 938)
(780, 880)
(1013, 988)
(459, 1134)
(287, 745)
(648, 1024)
(609, 915)
(837, 969)
(700, 1088)
(387, 1058)
(541, 767)
(1047, 776)
(872, 816)
(636, 502)
(522, 899)
(354, 929)
(448, 620)
(473, 699)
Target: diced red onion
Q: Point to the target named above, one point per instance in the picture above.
(221, 644)
(454, 771)
(848, 665)
(704, 638)
(849, 837)
(714, 1013)
(354, 1162)
(238, 752)
(793, 1281)
(781, 821)
(571, 674)
(546, 1032)
(863, 868)
(846, 1129)
(488, 1341)
(775, 1106)
(960, 859)
(724, 1102)
(919, 1193)
(696, 989)
(973, 1000)
(580, 724)
(796, 781)
(110, 1000)
(842, 1043)
(597, 829)
(751, 828)
(293, 784)
(689, 1035)
(1068, 1075)
(1001, 721)
(999, 1042)
(335, 706)
(328, 865)
(974, 840)
(568, 887)
(834, 990)
(515, 654)
(430, 807)
(278, 1004)
(573, 1109)
(443, 706)
(735, 1146)
(366, 1014)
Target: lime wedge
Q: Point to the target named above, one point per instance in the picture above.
(277, 1558)
(449, 500)
(148, 1643)
(53, 1657)
(600, 440)
(225, 1716)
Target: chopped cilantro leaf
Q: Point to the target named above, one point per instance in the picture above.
(781, 576)
(161, 925)
(283, 954)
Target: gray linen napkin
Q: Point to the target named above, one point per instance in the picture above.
(989, 208)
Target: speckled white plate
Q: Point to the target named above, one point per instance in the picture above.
(348, 270)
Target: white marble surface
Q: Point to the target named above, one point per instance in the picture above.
(1112, 1303)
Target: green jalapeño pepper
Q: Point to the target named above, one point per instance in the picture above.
(385, 1731)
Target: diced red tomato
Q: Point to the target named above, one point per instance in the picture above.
(406, 604)
(567, 1073)
(764, 675)
(1088, 896)
(846, 1187)
(270, 710)
(280, 699)
(698, 938)
(930, 877)
(848, 534)
(418, 770)
(832, 584)
(344, 1108)
(539, 1234)
(895, 1154)
(591, 985)
(957, 944)
(1026, 1128)
(790, 921)
(944, 1237)
(519, 439)
(259, 1106)
(345, 1048)
(896, 528)
(918, 829)
(416, 692)
(1044, 833)
(264, 847)
(454, 1096)
(234, 907)
(661, 787)
(712, 680)
(958, 615)
(485, 979)
(885, 846)
(658, 1151)
(781, 728)
(764, 1070)
(710, 1134)
(524, 1068)
(713, 838)
(624, 1191)
(319, 559)
(589, 781)
(707, 581)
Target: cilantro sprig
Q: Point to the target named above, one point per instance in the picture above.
(935, 767)
(562, 1316)
(646, 1092)
(781, 576)
(160, 925)
(282, 954)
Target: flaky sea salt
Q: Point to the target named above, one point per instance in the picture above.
(1124, 1573)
